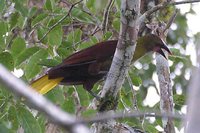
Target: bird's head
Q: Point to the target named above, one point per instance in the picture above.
(152, 42)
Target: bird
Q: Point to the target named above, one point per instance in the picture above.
(88, 66)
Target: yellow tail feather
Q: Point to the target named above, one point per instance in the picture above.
(44, 84)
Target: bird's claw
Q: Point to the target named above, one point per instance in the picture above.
(94, 95)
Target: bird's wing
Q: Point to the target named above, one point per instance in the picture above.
(92, 54)
(86, 58)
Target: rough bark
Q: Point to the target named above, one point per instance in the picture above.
(130, 10)
(19, 88)
(166, 95)
(123, 54)
(166, 92)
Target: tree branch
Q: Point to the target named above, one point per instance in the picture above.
(39, 102)
(130, 10)
(106, 15)
(163, 72)
(119, 115)
(184, 2)
(60, 21)
(162, 67)
(134, 100)
(193, 119)
(161, 6)
(166, 94)
(171, 20)
(123, 54)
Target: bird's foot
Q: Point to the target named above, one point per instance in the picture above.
(94, 95)
(102, 72)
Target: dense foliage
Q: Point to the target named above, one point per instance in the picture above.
(26, 51)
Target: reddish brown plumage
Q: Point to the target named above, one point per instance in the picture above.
(86, 66)
(90, 65)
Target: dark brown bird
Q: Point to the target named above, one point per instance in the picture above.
(90, 65)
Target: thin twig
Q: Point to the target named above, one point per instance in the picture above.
(171, 20)
(54, 113)
(184, 2)
(87, 12)
(133, 92)
(161, 6)
(61, 20)
(97, 29)
(77, 102)
(119, 115)
(106, 15)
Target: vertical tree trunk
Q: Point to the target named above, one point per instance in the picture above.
(166, 95)
(193, 116)
(162, 67)
(166, 92)
(130, 11)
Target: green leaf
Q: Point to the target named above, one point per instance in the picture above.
(137, 81)
(107, 35)
(83, 96)
(32, 68)
(177, 57)
(41, 31)
(28, 122)
(21, 8)
(74, 36)
(32, 12)
(48, 5)
(55, 20)
(82, 16)
(39, 18)
(94, 40)
(12, 116)
(126, 88)
(4, 92)
(17, 47)
(48, 62)
(14, 19)
(158, 121)
(179, 101)
(19, 21)
(90, 3)
(26, 54)
(177, 54)
(56, 96)
(116, 24)
(3, 128)
(2, 5)
(126, 98)
(118, 3)
(55, 36)
(42, 120)
(69, 105)
(178, 123)
(3, 30)
(6, 59)
(150, 128)
(64, 52)
(53, 4)
(89, 113)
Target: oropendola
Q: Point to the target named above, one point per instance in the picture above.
(90, 65)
